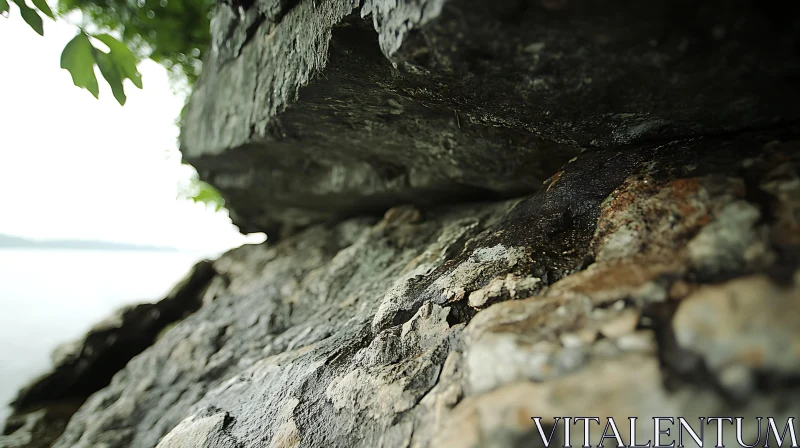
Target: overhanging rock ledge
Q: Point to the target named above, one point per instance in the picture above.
(315, 110)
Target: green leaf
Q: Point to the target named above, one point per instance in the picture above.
(3, 6)
(208, 195)
(123, 58)
(111, 73)
(30, 16)
(43, 7)
(78, 59)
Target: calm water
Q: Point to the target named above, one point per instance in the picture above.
(48, 297)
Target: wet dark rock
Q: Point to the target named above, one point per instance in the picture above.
(309, 111)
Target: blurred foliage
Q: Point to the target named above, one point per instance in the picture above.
(174, 33)
(200, 192)
(30, 15)
(80, 57)
(206, 194)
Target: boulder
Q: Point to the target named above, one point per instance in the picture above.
(309, 111)
(648, 281)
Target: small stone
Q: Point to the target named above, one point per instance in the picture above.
(679, 290)
(477, 299)
(569, 359)
(605, 348)
(402, 214)
(621, 325)
(749, 321)
(205, 429)
(510, 286)
(571, 340)
(731, 241)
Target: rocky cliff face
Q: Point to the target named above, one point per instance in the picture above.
(652, 270)
(316, 110)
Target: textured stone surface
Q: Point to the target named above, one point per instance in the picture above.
(745, 325)
(603, 294)
(655, 270)
(313, 110)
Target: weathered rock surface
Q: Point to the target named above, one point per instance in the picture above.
(654, 272)
(313, 110)
(645, 281)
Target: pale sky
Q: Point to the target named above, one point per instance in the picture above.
(75, 167)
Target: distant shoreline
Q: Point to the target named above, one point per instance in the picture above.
(14, 242)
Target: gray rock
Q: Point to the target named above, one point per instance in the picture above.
(746, 323)
(314, 110)
(204, 429)
(39, 428)
(362, 333)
